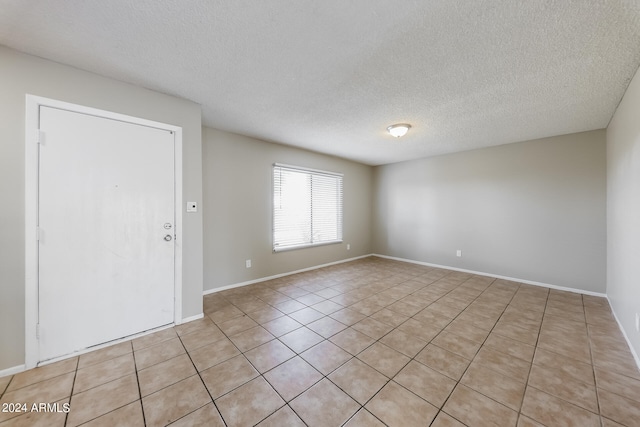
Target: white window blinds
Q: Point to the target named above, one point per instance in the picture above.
(307, 207)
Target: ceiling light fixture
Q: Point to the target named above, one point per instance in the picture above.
(399, 129)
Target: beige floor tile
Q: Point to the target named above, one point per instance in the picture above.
(606, 422)
(290, 306)
(511, 347)
(42, 373)
(292, 377)
(312, 405)
(389, 317)
(281, 418)
(306, 315)
(401, 341)
(202, 337)
(457, 344)
(237, 325)
(620, 409)
(475, 409)
(326, 327)
(528, 422)
(151, 339)
(396, 406)
(228, 375)
(51, 390)
(310, 299)
(158, 353)
(301, 339)
(618, 384)
(347, 316)
(269, 355)
(265, 315)
(549, 410)
(102, 400)
(212, 354)
(579, 371)
(110, 352)
(251, 338)
(164, 374)
(364, 418)
(424, 331)
(443, 361)
(430, 385)
(327, 307)
(174, 402)
(352, 341)
(527, 336)
(468, 331)
(510, 366)
(249, 404)
(207, 416)
(127, 416)
(372, 328)
(445, 420)
(563, 344)
(358, 380)
(557, 383)
(325, 357)
(193, 326)
(384, 359)
(499, 387)
(227, 313)
(366, 307)
(281, 326)
(4, 381)
(615, 361)
(404, 308)
(104, 372)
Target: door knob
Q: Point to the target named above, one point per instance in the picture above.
(168, 237)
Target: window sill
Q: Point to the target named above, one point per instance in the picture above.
(307, 245)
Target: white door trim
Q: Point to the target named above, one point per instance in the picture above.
(32, 119)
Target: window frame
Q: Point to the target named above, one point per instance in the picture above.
(310, 171)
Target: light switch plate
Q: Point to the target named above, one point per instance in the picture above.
(192, 206)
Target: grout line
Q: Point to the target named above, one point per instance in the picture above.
(135, 367)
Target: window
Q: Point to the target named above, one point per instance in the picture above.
(307, 207)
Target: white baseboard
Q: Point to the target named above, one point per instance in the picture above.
(497, 276)
(276, 276)
(626, 337)
(191, 318)
(12, 371)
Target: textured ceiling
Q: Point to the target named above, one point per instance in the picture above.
(331, 75)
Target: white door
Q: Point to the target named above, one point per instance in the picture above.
(106, 220)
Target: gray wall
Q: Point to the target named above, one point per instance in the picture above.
(623, 211)
(238, 209)
(533, 210)
(23, 74)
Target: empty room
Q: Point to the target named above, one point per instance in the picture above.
(279, 213)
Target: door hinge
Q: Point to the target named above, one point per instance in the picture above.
(38, 330)
(39, 136)
(38, 233)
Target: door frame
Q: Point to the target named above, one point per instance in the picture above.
(32, 167)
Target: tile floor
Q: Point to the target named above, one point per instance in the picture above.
(368, 343)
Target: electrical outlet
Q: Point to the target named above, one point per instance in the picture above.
(348, 246)
(248, 263)
(459, 252)
(637, 322)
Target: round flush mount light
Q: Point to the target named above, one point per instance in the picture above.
(399, 129)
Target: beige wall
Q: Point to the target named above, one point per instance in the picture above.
(623, 211)
(237, 209)
(533, 210)
(23, 74)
